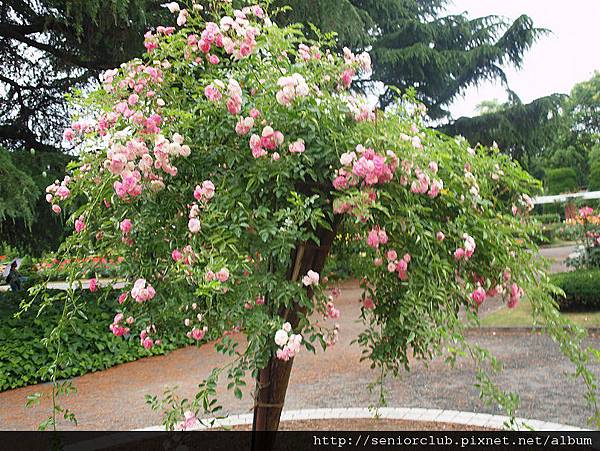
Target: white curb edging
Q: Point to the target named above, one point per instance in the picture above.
(391, 413)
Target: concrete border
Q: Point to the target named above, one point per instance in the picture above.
(483, 330)
(392, 413)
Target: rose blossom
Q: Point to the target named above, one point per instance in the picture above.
(222, 275)
(140, 292)
(125, 226)
(311, 278)
(478, 295)
(194, 225)
(93, 284)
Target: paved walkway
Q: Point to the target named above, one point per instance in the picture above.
(557, 256)
(114, 399)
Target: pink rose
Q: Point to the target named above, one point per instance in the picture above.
(401, 266)
(125, 226)
(176, 255)
(198, 334)
(222, 275)
(140, 292)
(459, 254)
(383, 238)
(297, 146)
(194, 225)
(79, 224)
(311, 278)
(373, 239)
(147, 343)
(93, 285)
(122, 297)
(69, 134)
(478, 295)
(212, 93)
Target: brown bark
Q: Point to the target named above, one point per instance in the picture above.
(272, 383)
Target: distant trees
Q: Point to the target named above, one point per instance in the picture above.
(557, 131)
(524, 131)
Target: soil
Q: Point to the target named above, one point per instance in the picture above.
(367, 424)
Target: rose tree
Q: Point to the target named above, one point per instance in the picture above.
(223, 164)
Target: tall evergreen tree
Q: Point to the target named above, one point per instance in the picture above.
(49, 47)
(555, 131)
(413, 43)
(52, 46)
(525, 131)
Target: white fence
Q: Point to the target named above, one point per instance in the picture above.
(565, 197)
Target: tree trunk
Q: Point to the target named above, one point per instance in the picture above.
(272, 382)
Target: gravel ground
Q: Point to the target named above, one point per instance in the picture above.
(114, 399)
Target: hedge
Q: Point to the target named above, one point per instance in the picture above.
(581, 287)
(24, 359)
(594, 177)
(561, 180)
(548, 218)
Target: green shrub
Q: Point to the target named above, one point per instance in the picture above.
(555, 232)
(24, 360)
(548, 218)
(561, 180)
(556, 208)
(581, 287)
(594, 178)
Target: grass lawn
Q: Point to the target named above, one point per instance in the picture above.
(521, 317)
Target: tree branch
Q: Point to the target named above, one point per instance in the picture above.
(16, 133)
(60, 54)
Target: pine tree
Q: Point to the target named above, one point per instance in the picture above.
(49, 47)
(527, 132)
(413, 44)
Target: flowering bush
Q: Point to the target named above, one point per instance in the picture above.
(221, 166)
(587, 225)
(55, 269)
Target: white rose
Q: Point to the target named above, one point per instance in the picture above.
(281, 337)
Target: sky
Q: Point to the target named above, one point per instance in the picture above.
(570, 54)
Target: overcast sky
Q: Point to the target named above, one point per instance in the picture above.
(559, 60)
